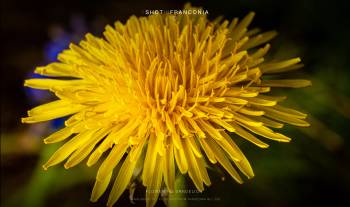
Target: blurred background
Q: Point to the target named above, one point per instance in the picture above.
(314, 169)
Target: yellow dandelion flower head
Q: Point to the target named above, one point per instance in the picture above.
(161, 94)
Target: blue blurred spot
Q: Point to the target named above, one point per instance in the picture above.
(53, 48)
(58, 123)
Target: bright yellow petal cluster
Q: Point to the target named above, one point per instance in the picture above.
(162, 93)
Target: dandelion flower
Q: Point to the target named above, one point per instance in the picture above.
(163, 94)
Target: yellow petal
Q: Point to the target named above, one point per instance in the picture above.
(286, 118)
(209, 129)
(246, 135)
(127, 130)
(86, 148)
(153, 190)
(193, 169)
(138, 149)
(57, 70)
(240, 29)
(210, 154)
(259, 39)
(224, 124)
(243, 119)
(169, 168)
(94, 157)
(242, 163)
(277, 67)
(100, 187)
(150, 160)
(181, 159)
(247, 111)
(230, 148)
(47, 84)
(203, 171)
(261, 102)
(235, 101)
(63, 152)
(58, 136)
(49, 106)
(52, 114)
(196, 128)
(272, 98)
(176, 139)
(159, 145)
(111, 161)
(183, 127)
(245, 168)
(105, 145)
(212, 110)
(269, 122)
(260, 52)
(78, 156)
(286, 111)
(292, 83)
(268, 133)
(194, 147)
(222, 159)
(121, 182)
